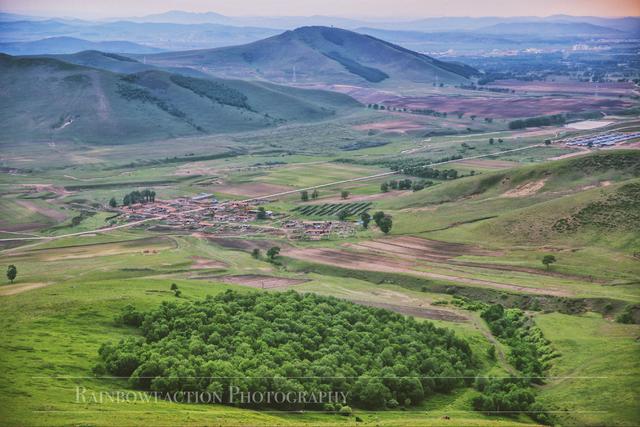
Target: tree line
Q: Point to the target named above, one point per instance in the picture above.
(405, 184)
(144, 196)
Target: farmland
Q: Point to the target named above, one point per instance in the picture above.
(397, 240)
(330, 209)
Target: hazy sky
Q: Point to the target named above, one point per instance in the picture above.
(345, 8)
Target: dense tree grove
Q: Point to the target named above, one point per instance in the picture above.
(530, 351)
(556, 119)
(405, 184)
(143, 196)
(289, 342)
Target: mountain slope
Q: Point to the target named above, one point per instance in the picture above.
(319, 54)
(51, 100)
(66, 45)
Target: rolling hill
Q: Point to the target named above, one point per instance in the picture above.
(66, 45)
(51, 100)
(592, 199)
(319, 55)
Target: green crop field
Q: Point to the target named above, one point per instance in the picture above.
(328, 209)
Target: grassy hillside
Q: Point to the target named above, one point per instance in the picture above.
(319, 54)
(50, 100)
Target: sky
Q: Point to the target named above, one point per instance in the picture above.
(395, 9)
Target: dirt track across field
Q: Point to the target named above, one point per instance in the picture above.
(252, 189)
(19, 288)
(262, 282)
(427, 313)
(405, 255)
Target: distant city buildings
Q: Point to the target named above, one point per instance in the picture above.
(601, 140)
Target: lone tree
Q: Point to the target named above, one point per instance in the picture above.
(315, 194)
(385, 224)
(304, 195)
(384, 187)
(273, 252)
(262, 213)
(113, 203)
(174, 287)
(548, 260)
(344, 194)
(378, 216)
(343, 214)
(366, 219)
(12, 272)
(255, 253)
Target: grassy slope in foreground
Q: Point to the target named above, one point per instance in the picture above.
(598, 369)
(51, 340)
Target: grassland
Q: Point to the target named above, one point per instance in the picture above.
(62, 305)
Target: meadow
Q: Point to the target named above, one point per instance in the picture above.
(456, 245)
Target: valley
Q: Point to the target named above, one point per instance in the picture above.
(316, 209)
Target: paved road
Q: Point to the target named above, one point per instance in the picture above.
(269, 196)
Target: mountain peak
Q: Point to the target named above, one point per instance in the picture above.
(319, 54)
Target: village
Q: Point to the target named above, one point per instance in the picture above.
(204, 214)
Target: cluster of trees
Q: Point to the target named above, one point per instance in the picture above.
(215, 91)
(304, 195)
(555, 119)
(427, 172)
(405, 184)
(134, 197)
(383, 221)
(529, 352)
(289, 342)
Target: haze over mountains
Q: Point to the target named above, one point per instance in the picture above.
(319, 54)
(62, 45)
(179, 30)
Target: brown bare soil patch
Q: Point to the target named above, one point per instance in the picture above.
(524, 190)
(42, 210)
(603, 89)
(359, 198)
(431, 250)
(247, 244)
(374, 262)
(19, 288)
(489, 164)
(41, 188)
(261, 282)
(397, 126)
(200, 263)
(252, 189)
(427, 313)
(507, 107)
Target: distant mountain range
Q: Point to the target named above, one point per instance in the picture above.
(437, 24)
(61, 45)
(46, 99)
(179, 30)
(318, 54)
(167, 36)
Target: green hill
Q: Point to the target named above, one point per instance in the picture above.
(319, 54)
(50, 100)
(591, 199)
